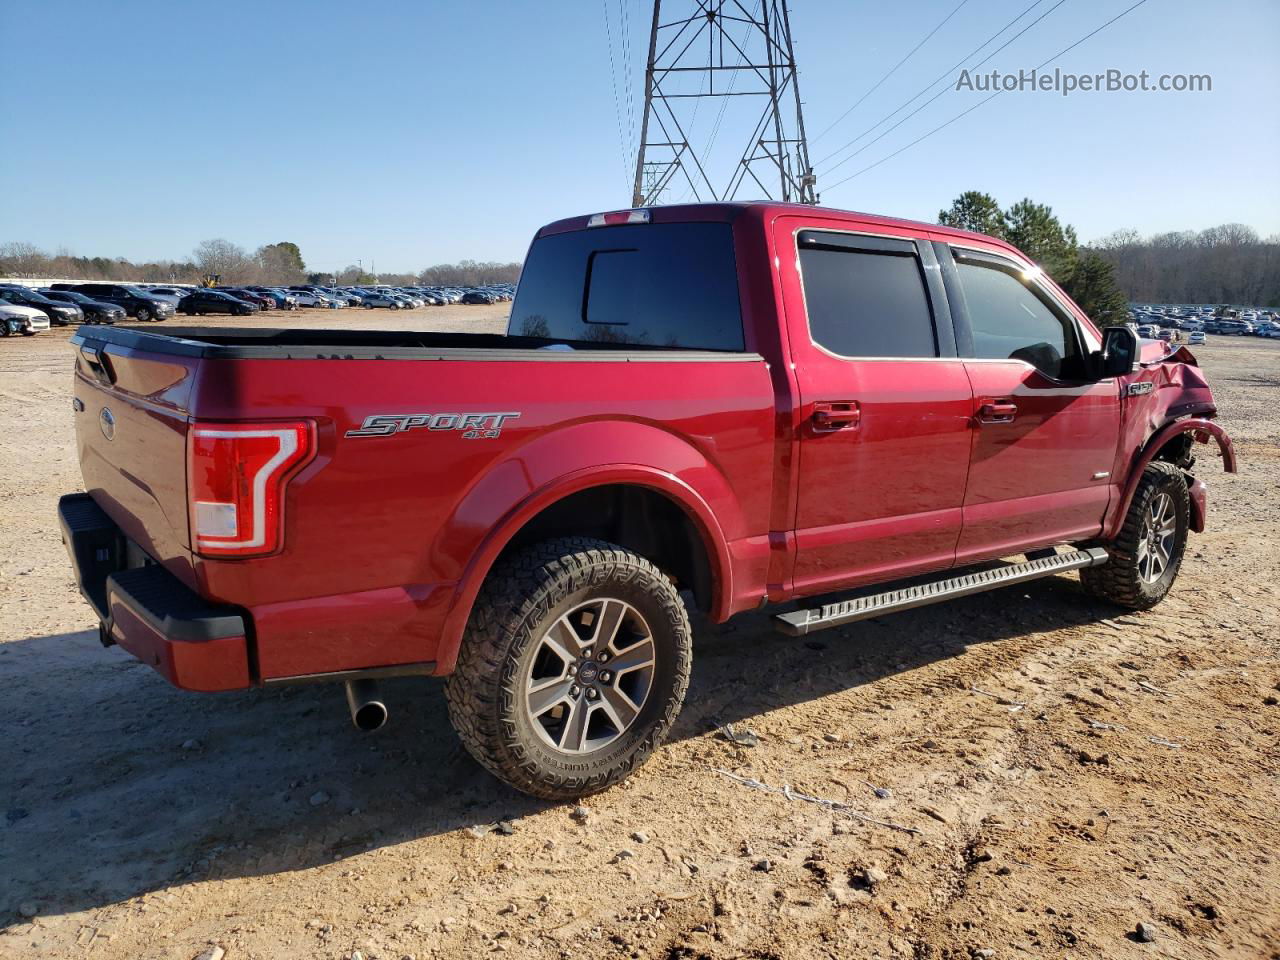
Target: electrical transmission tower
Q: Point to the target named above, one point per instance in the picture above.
(736, 52)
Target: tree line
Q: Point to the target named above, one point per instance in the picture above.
(1229, 264)
(271, 264)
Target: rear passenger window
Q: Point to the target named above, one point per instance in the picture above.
(866, 296)
(655, 284)
(1010, 322)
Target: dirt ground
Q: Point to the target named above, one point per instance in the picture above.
(1064, 771)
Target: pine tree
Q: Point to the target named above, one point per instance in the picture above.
(976, 211)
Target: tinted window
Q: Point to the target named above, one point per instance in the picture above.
(659, 284)
(867, 302)
(1010, 322)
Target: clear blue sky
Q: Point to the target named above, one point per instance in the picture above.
(416, 132)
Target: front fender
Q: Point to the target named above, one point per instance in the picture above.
(1203, 431)
(566, 461)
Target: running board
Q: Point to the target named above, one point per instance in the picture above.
(800, 622)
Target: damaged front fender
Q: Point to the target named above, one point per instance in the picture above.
(1167, 398)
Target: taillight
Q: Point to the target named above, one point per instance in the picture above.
(236, 477)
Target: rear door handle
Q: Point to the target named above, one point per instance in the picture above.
(832, 415)
(997, 412)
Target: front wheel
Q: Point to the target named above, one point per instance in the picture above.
(143, 314)
(573, 668)
(1147, 555)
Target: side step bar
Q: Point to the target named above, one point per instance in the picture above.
(800, 622)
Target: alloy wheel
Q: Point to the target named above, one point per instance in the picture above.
(590, 675)
(1155, 542)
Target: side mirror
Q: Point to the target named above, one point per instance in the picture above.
(1119, 352)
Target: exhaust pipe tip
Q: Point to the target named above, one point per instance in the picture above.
(368, 712)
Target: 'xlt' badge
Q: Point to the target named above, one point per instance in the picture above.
(474, 426)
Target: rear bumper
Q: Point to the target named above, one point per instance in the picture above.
(195, 645)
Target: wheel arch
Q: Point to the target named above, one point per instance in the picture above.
(1166, 443)
(687, 510)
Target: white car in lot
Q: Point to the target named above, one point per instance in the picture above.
(15, 318)
(1197, 337)
(307, 298)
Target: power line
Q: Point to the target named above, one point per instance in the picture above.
(929, 86)
(985, 100)
(891, 72)
(625, 20)
(617, 107)
(885, 133)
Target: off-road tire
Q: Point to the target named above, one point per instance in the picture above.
(1119, 579)
(520, 599)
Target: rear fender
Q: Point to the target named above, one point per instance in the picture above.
(572, 459)
(1203, 430)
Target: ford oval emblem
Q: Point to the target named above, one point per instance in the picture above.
(107, 420)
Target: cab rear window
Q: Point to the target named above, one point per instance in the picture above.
(659, 285)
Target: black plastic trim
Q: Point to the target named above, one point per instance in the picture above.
(204, 342)
(171, 608)
(944, 330)
(956, 304)
(95, 544)
(815, 238)
(100, 561)
(424, 668)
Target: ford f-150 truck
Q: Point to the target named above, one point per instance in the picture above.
(723, 405)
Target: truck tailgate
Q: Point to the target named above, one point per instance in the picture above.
(131, 426)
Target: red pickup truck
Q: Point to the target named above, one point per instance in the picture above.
(726, 405)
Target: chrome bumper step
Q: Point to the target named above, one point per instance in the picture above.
(800, 622)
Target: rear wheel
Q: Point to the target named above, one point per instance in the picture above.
(574, 665)
(1147, 554)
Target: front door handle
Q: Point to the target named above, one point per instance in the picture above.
(997, 412)
(832, 415)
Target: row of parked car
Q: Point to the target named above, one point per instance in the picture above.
(1164, 322)
(244, 300)
(29, 310)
